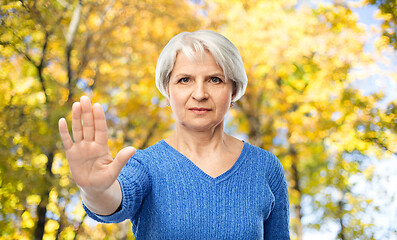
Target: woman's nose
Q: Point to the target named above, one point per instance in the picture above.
(200, 92)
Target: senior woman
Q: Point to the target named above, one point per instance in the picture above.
(198, 183)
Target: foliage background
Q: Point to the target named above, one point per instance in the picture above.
(304, 62)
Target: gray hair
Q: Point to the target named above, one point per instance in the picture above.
(224, 52)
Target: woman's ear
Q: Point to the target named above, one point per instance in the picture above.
(234, 89)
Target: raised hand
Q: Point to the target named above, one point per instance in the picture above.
(91, 164)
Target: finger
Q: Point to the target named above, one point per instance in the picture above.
(64, 132)
(101, 131)
(77, 128)
(88, 119)
(122, 158)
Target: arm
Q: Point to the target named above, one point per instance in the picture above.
(90, 162)
(277, 224)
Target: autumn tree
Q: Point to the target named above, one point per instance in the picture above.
(388, 14)
(52, 52)
(300, 103)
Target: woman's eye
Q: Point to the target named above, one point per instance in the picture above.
(184, 80)
(216, 80)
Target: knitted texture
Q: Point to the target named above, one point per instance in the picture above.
(166, 196)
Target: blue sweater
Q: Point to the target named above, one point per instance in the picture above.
(166, 196)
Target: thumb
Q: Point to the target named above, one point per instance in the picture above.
(122, 158)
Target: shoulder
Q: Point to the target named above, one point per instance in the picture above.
(270, 164)
(151, 152)
(263, 156)
(154, 156)
(143, 163)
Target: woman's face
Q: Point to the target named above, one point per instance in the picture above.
(198, 93)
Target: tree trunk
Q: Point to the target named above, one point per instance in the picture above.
(254, 134)
(74, 23)
(341, 234)
(42, 207)
(297, 189)
(41, 218)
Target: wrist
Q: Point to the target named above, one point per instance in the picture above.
(102, 202)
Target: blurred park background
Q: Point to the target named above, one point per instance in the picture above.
(322, 96)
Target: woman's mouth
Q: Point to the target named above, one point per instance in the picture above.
(199, 110)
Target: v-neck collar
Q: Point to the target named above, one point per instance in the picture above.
(203, 174)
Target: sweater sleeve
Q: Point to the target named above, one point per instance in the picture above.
(277, 224)
(135, 184)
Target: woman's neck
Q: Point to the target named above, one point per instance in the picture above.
(199, 143)
(214, 152)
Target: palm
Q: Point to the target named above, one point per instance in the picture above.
(90, 161)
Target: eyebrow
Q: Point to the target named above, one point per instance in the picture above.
(182, 75)
(215, 74)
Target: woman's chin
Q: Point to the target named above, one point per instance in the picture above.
(201, 126)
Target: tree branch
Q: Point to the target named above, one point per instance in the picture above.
(85, 55)
(79, 226)
(149, 136)
(380, 144)
(69, 45)
(41, 66)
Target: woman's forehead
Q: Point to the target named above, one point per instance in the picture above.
(205, 59)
